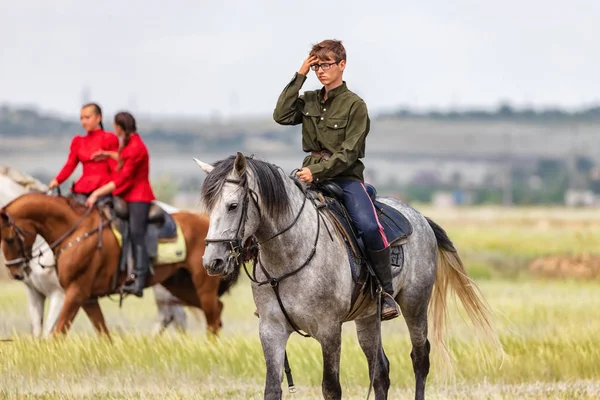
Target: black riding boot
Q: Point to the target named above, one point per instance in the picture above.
(382, 266)
(141, 271)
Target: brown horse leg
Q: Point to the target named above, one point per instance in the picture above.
(212, 310)
(74, 299)
(94, 313)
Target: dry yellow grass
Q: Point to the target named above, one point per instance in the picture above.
(549, 329)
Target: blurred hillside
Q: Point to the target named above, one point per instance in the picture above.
(507, 155)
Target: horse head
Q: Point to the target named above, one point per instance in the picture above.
(16, 239)
(242, 196)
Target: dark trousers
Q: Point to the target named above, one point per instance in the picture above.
(363, 214)
(138, 224)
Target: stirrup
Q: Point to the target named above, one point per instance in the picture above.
(392, 311)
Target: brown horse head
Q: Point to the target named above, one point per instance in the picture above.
(23, 219)
(16, 240)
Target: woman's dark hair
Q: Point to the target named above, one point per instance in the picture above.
(97, 111)
(126, 122)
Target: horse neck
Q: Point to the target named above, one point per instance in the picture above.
(51, 216)
(287, 251)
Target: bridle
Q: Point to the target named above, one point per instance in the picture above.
(20, 233)
(27, 256)
(238, 249)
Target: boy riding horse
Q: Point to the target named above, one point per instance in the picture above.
(335, 124)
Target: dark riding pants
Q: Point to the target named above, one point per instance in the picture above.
(363, 214)
(138, 224)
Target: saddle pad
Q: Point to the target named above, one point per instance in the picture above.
(168, 252)
(395, 225)
(354, 244)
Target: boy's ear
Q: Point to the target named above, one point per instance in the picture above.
(342, 65)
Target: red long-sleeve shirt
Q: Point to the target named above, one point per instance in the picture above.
(95, 173)
(132, 181)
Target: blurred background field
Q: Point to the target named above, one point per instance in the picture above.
(547, 321)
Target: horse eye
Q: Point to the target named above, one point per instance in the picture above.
(232, 206)
(9, 240)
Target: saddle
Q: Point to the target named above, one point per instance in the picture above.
(397, 229)
(161, 227)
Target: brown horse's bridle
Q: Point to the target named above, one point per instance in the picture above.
(26, 256)
(20, 233)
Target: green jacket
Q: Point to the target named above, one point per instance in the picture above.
(338, 125)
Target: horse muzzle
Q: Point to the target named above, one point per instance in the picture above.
(219, 266)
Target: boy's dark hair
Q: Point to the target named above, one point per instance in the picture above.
(323, 50)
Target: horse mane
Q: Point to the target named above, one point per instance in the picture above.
(76, 206)
(28, 182)
(268, 177)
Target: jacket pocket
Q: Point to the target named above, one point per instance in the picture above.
(335, 132)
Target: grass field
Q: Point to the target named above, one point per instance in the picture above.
(549, 329)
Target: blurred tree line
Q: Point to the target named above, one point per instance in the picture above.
(544, 183)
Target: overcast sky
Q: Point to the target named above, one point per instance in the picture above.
(200, 58)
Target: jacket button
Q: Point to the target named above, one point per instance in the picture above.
(335, 126)
(322, 118)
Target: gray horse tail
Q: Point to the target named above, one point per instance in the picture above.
(451, 273)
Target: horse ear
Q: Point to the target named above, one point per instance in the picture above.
(240, 164)
(205, 167)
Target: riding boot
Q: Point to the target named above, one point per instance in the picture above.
(382, 266)
(141, 270)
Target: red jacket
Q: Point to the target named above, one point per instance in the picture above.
(132, 180)
(95, 173)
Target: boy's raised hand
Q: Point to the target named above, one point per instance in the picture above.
(310, 60)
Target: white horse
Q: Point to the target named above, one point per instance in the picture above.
(41, 281)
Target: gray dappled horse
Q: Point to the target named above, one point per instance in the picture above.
(304, 281)
(41, 280)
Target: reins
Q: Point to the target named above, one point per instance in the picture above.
(26, 258)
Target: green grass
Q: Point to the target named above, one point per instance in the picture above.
(550, 331)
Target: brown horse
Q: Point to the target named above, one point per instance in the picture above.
(87, 256)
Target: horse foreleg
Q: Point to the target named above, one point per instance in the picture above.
(211, 305)
(207, 291)
(273, 340)
(74, 298)
(369, 338)
(56, 300)
(331, 347)
(94, 313)
(168, 311)
(36, 301)
(179, 318)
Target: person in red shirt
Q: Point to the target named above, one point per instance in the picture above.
(131, 182)
(96, 172)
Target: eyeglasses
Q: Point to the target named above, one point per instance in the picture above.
(324, 66)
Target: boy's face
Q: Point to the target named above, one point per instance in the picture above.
(334, 73)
